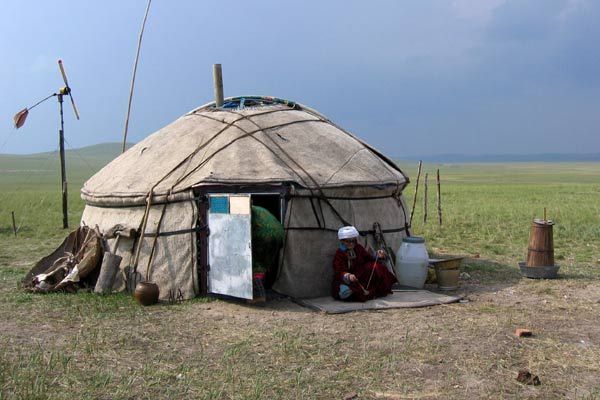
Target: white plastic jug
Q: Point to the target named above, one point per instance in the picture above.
(412, 262)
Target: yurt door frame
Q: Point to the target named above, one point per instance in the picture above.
(225, 245)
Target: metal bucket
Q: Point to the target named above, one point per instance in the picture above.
(447, 272)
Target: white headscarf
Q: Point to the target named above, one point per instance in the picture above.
(347, 232)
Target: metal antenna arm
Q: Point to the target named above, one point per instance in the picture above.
(41, 101)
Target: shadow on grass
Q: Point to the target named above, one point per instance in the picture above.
(480, 275)
(574, 276)
(491, 271)
(491, 276)
(6, 231)
(483, 276)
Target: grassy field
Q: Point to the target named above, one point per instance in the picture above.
(487, 209)
(84, 346)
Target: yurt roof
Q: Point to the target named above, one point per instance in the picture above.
(250, 140)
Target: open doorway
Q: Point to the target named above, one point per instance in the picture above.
(267, 235)
(270, 202)
(220, 228)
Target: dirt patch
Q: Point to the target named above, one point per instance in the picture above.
(225, 349)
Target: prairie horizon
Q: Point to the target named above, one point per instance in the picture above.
(109, 150)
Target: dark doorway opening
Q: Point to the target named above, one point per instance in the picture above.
(271, 202)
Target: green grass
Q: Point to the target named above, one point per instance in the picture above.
(30, 187)
(487, 211)
(64, 346)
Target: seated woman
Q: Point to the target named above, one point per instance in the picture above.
(357, 276)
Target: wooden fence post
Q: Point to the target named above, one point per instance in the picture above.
(14, 224)
(439, 198)
(412, 212)
(425, 199)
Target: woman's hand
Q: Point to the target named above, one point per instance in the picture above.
(381, 254)
(352, 278)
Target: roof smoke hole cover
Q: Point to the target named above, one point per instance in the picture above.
(254, 102)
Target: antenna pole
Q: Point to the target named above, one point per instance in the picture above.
(63, 173)
(135, 64)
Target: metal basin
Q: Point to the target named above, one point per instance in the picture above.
(447, 271)
(546, 272)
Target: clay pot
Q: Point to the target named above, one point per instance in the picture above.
(146, 293)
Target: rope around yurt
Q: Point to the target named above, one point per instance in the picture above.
(315, 187)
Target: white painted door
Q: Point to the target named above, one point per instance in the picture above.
(230, 245)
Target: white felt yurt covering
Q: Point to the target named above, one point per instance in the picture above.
(331, 177)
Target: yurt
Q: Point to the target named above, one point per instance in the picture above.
(186, 190)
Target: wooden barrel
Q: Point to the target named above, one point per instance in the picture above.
(541, 244)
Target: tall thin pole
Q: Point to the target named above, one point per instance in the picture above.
(14, 223)
(218, 82)
(425, 199)
(135, 64)
(63, 172)
(439, 197)
(412, 212)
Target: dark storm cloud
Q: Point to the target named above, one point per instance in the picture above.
(545, 41)
(410, 77)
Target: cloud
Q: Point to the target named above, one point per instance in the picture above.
(578, 53)
(538, 43)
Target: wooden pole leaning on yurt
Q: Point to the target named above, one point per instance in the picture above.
(142, 232)
(218, 83)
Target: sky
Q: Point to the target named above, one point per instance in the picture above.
(412, 77)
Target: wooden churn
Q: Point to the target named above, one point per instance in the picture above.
(541, 244)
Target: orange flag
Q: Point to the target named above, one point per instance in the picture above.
(20, 117)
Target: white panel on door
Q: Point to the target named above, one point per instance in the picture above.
(230, 246)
